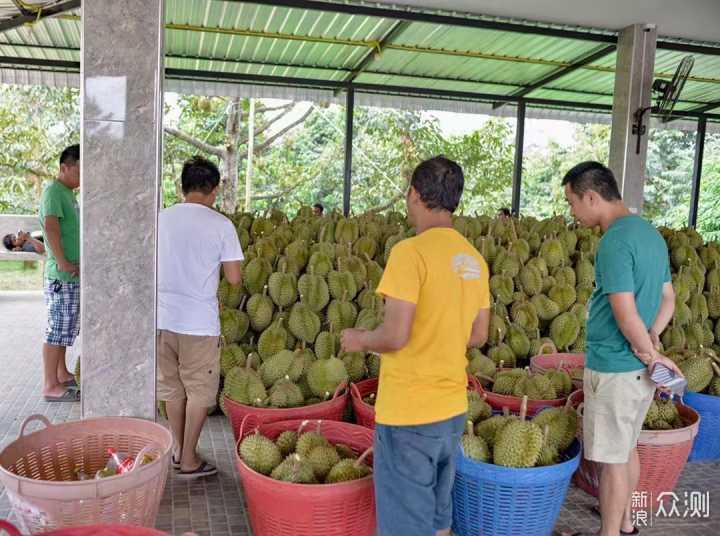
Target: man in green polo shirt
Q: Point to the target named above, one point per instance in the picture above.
(632, 303)
(60, 221)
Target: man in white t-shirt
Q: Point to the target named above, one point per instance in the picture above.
(194, 240)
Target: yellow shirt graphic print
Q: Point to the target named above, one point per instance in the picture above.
(447, 280)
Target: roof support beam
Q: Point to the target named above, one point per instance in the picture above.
(519, 146)
(706, 107)
(574, 66)
(697, 171)
(40, 14)
(347, 182)
(395, 31)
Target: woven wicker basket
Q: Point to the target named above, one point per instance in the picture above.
(38, 471)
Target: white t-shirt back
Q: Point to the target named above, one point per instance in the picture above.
(193, 241)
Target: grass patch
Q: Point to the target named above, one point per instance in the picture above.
(21, 275)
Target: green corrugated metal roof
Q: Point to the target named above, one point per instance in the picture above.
(245, 38)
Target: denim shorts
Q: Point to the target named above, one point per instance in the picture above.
(414, 472)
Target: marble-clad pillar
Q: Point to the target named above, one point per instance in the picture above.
(121, 96)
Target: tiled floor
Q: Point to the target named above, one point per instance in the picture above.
(215, 506)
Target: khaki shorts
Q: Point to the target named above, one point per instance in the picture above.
(188, 368)
(615, 408)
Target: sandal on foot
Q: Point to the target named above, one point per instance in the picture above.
(70, 383)
(205, 469)
(635, 530)
(174, 462)
(70, 395)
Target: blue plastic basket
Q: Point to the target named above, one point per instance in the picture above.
(707, 443)
(493, 500)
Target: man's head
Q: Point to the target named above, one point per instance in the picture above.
(9, 241)
(590, 189)
(70, 167)
(199, 175)
(318, 209)
(504, 213)
(435, 185)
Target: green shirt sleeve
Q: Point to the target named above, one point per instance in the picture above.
(52, 203)
(615, 267)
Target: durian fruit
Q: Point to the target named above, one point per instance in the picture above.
(244, 385)
(304, 323)
(342, 314)
(480, 365)
(369, 319)
(260, 310)
(283, 288)
(345, 452)
(283, 363)
(518, 341)
(322, 459)
(563, 295)
(584, 272)
(372, 362)
(506, 380)
(314, 291)
(478, 408)
(546, 308)
(502, 288)
(230, 295)
(561, 381)
(259, 453)
(549, 454)
(535, 387)
(325, 375)
(489, 428)
(355, 266)
(542, 345)
(286, 442)
(294, 469)
(698, 372)
(319, 264)
(307, 441)
(662, 415)
(497, 328)
(231, 356)
(562, 423)
(256, 274)
(524, 315)
(474, 447)
(347, 230)
(348, 469)
(342, 285)
(355, 365)
(564, 330)
(519, 443)
(327, 344)
(553, 252)
(673, 337)
(285, 394)
(502, 353)
(233, 325)
(273, 339)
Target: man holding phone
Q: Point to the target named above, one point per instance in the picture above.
(632, 304)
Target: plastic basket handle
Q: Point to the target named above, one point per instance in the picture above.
(355, 391)
(340, 389)
(249, 422)
(549, 345)
(152, 447)
(9, 528)
(31, 418)
(474, 383)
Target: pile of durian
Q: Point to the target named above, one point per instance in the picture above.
(662, 415)
(306, 279)
(303, 458)
(551, 385)
(512, 440)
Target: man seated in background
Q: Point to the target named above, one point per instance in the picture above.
(318, 209)
(22, 241)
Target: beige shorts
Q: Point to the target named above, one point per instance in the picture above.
(614, 412)
(188, 367)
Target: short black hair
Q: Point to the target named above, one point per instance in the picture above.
(70, 155)
(199, 175)
(440, 182)
(8, 242)
(592, 176)
(319, 206)
(504, 211)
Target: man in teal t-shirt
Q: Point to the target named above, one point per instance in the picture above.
(632, 304)
(60, 222)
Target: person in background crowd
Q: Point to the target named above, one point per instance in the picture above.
(504, 213)
(318, 209)
(23, 241)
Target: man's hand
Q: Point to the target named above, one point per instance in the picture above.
(72, 268)
(351, 340)
(657, 357)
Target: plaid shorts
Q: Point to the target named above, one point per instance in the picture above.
(63, 307)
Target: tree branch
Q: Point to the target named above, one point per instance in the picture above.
(273, 108)
(28, 171)
(263, 197)
(394, 199)
(187, 138)
(264, 145)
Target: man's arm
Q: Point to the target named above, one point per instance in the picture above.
(233, 272)
(390, 336)
(37, 244)
(667, 309)
(52, 232)
(479, 334)
(633, 328)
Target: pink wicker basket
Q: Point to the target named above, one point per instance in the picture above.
(541, 363)
(663, 454)
(90, 530)
(38, 471)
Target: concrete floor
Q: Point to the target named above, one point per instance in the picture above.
(215, 506)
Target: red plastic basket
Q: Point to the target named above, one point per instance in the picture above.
(90, 530)
(513, 403)
(285, 509)
(543, 362)
(331, 410)
(364, 412)
(663, 454)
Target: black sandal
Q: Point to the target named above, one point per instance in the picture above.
(205, 469)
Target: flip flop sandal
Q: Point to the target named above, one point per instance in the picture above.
(205, 469)
(596, 510)
(174, 462)
(635, 530)
(70, 383)
(70, 395)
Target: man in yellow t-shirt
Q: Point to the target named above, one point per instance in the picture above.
(436, 290)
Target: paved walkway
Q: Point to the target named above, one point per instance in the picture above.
(215, 506)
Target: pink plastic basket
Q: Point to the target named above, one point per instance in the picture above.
(332, 410)
(543, 362)
(285, 509)
(364, 412)
(91, 530)
(38, 469)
